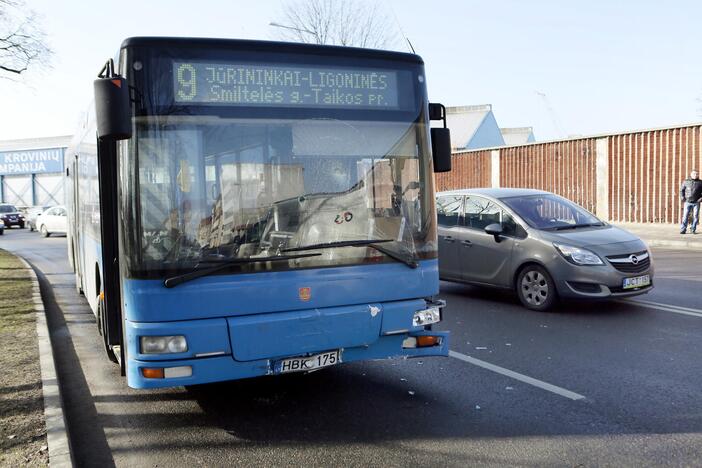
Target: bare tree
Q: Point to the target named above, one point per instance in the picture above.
(360, 23)
(22, 42)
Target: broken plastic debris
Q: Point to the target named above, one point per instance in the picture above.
(411, 392)
(477, 406)
(480, 347)
(403, 380)
(509, 388)
(12, 436)
(544, 326)
(420, 362)
(508, 344)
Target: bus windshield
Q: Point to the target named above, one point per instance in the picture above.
(211, 189)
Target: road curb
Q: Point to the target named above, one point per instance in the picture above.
(674, 244)
(56, 432)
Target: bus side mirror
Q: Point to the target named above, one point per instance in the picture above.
(112, 105)
(441, 149)
(440, 139)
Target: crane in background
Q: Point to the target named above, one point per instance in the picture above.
(551, 113)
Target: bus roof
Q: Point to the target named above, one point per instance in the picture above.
(285, 47)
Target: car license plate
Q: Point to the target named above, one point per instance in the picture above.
(308, 363)
(637, 282)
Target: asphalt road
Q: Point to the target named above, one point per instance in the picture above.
(607, 384)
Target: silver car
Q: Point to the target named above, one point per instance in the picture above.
(539, 244)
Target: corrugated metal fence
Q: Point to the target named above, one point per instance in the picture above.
(646, 170)
(565, 167)
(640, 172)
(469, 169)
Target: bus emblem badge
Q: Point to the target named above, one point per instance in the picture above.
(305, 293)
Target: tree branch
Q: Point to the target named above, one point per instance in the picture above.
(359, 23)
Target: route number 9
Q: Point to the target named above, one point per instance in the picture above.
(187, 86)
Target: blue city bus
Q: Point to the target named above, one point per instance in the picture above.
(248, 208)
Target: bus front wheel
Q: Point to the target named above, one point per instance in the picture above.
(101, 323)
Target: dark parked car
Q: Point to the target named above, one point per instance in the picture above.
(11, 216)
(541, 245)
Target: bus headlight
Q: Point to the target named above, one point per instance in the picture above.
(426, 317)
(163, 344)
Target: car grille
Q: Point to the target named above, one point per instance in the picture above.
(626, 263)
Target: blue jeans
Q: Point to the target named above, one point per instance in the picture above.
(695, 208)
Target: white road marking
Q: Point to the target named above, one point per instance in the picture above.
(665, 307)
(517, 376)
(680, 277)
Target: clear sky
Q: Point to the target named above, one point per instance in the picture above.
(604, 66)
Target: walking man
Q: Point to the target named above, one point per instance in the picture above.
(691, 195)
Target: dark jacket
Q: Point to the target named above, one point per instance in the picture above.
(691, 190)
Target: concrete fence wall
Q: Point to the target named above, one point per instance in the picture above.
(628, 177)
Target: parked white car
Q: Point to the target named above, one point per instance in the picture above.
(52, 221)
(32, 214)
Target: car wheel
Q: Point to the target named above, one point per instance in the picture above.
(535, 288)
(44, 232)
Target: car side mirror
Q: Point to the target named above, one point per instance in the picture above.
(494, 229)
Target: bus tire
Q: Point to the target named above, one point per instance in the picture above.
(79, 285)
(101, 321)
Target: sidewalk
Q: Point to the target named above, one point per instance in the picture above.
(664, 235)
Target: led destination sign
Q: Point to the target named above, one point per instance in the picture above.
(285, 86)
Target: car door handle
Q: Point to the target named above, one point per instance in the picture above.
(449, 239)
(467, 243)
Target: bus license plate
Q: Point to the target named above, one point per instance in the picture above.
(637, 282)
(308, 363)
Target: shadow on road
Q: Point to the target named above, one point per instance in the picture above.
(502, 297)
(333, 405)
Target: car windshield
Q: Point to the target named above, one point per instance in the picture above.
(8, 209)
(550, 212)
(211, 189)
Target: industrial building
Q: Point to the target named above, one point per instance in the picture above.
(517, 136)
(473, 127)
(32, 171)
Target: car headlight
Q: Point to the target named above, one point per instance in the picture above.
(578, 255)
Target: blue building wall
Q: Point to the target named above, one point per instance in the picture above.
(487, 134)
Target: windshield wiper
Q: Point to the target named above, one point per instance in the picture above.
(200, 272)
(405, 258)
(575, 226)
